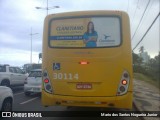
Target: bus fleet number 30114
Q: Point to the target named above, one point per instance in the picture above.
(65, 76)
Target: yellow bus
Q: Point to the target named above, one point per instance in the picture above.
(87, 60)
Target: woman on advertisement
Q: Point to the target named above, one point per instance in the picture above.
(90, 36)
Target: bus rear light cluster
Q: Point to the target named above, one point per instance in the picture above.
(123, 84)
(47, 83)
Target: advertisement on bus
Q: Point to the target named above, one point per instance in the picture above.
(85, 32)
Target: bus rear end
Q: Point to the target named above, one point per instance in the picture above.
(87, 60)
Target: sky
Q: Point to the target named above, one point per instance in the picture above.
(18, 17)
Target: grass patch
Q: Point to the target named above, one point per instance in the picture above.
(140, 76)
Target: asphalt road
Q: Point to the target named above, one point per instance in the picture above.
(33, 103)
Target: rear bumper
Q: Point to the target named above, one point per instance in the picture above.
(124, 101)
(31, 88)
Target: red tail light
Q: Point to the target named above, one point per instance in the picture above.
(124, 82)
(46, 80)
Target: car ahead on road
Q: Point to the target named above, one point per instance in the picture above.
(33, 84)
(11, 76)
(6, 98)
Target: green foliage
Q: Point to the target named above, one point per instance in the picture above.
(151, 69)
(40, 55)
(136, 59)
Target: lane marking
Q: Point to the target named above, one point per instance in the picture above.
(19, 93)
(28, 100)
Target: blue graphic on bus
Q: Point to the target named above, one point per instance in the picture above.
(76, 37)
(56, 66)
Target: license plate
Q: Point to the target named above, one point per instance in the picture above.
(84, 86)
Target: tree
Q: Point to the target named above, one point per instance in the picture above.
(137, 63)
(136, 59)
(141, 49)
(154, 67)
(151, 69)
(40, 55)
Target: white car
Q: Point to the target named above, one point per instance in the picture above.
(6, 98)
(11, 76)
(33, 84)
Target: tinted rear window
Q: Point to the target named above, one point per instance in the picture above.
(35, 74)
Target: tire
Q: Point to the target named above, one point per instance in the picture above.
(5, 83)
(27, 93)
(7, 105)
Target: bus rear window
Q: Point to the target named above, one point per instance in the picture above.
(87, 32)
